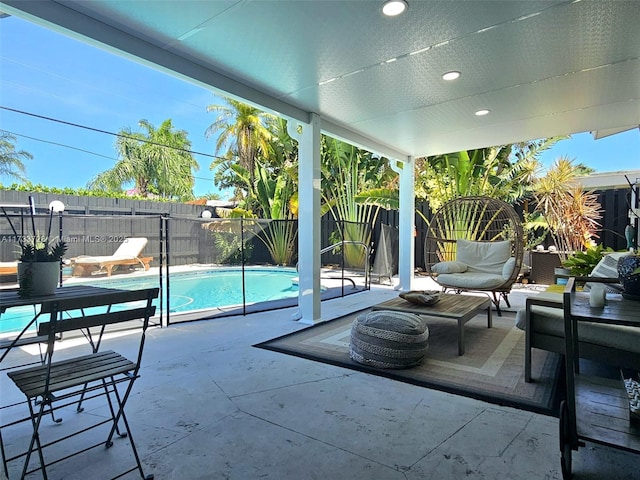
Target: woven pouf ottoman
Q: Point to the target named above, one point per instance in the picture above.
(386, 339)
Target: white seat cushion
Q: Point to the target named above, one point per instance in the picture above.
(471, 280)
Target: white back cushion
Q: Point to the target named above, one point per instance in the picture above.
(486, 257)
(608, 265)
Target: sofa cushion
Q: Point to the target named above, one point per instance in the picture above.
(449, 267)
(607, 267)
(483, 257)
(471, 280)
(550, 321)
(521, 315)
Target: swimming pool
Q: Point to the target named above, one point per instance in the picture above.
(193, 290)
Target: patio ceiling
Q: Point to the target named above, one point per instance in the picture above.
(542, 68)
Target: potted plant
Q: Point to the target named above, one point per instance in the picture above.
(39, 266)
(39, 258)
(582, 263)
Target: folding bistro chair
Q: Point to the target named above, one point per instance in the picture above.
(58, 384)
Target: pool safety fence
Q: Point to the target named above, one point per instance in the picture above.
(203, 246)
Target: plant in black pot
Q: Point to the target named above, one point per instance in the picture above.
(39, 267)
(40, 259)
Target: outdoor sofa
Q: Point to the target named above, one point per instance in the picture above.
(542, 319)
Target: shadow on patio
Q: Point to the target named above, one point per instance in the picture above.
(209, 405)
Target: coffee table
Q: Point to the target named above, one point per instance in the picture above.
(454, 306)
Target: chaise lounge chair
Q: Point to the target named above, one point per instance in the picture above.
(8, 268)
(127, 254)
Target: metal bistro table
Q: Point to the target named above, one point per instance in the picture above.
(597, 408)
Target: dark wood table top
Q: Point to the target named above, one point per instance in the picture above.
(84, 295)
(617, 310)
(450, 305)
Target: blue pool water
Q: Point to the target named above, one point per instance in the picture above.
(191, 291)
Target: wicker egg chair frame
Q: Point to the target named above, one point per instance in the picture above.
(480, 219)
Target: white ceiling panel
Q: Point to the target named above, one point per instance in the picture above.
(541, 67)
(582, 93)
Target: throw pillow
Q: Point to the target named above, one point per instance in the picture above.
(607, 267)
(507, 269)
(449, 267)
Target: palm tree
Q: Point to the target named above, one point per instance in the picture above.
(277, 162)
(242, 130)
(505, 172)
(270, 193)
(157, 161)
(11, 161)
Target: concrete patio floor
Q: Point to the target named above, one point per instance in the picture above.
(210, 406)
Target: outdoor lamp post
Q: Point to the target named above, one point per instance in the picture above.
(56, 206)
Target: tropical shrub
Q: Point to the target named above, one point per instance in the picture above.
(505, 172)
(572, 214)
(228, 248)
(582, 263)
(347, 172)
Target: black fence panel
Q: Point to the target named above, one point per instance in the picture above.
(119, 217)
(615, 206)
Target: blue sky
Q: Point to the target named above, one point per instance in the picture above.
(51, 75)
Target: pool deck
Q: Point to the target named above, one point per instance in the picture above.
(210, 406)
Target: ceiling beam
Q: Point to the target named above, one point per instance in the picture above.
(349, 136)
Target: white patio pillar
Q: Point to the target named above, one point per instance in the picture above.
(406, 227)
(309, 306)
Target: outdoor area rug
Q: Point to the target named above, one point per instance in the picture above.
(492, 368)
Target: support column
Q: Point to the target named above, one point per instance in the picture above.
(406, 227)
(309, 296)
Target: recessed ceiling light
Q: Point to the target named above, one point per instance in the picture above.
(482, 112)
(191, 32)
(453, 75)
(391, 8)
